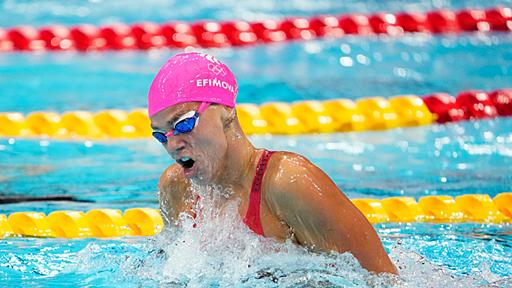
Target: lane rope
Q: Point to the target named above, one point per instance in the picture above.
(148, 221)
(302, 117)
(207, 34)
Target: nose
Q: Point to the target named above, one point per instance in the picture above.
(174, 145)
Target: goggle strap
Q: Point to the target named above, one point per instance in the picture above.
(203, 107)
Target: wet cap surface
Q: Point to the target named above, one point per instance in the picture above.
(192, 77)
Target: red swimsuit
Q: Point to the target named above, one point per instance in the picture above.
(252, 218)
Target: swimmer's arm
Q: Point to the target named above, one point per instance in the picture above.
(321, 216)
(170, 195)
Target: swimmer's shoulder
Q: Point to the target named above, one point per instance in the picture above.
(292, 176)
(282, 165)
(284, 168)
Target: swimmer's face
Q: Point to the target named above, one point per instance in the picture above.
(199, 153)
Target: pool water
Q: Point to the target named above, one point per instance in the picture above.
(454, 159)
(380, 66)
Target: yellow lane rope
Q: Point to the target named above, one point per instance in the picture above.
(147, 221)
(339, 115)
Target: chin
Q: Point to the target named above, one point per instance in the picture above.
(203, 172)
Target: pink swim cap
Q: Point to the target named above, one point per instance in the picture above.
(192, 77)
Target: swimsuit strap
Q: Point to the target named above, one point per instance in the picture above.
(252, 217)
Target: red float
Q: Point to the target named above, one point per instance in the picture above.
(239, 33)
(355, 24)
(23, 37)
(385, 23)
(326, 26)
(502, 100)
(500, 18)
(118, 36)
(472, 20)
(209, 34)
(413, 22)
(442, 21)
(147, 35)
(297, 28)
(5, 43)
(86, 37)
(56, 38)
(476, 104)
(268, 31)
(445, 107)
(178, 35)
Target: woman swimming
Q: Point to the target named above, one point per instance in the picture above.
(191, 105)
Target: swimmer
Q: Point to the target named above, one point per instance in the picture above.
(191, 104)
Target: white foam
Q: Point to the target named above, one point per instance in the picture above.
(222, 252)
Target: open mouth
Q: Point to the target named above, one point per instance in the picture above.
(186, 162)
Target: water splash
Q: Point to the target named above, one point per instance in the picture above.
(220, 251)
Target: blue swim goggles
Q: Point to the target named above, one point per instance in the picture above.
(184, 124)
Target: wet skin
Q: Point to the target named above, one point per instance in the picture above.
(299, 201)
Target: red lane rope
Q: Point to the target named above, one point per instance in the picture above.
(472, 104)
(239, 33)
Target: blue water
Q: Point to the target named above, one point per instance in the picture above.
(382, 66)
(44, 12)
(453, 159)
(135, 262)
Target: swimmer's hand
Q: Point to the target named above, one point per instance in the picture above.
(173, 195)
(320, 215)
